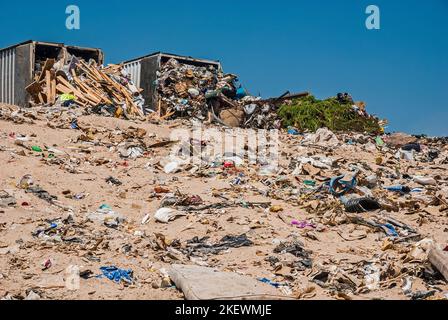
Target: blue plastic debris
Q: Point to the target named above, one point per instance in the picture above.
(338, 182)
(238, 180)
(399, 188)
(74, 124)
(117, 275)
(293, 132)
(241, 93)
(105, 206)
(272, 283)
(390, 229)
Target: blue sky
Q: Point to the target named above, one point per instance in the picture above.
(401, 71)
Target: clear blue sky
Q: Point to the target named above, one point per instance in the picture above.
(401, 71)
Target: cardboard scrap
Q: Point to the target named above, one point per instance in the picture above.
(202, 283)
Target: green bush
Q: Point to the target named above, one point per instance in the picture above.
(310, 114)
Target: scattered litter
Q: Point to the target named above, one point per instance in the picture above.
(358, 205)
(146, 219)
(272, 283)
(6, 200)
(165, 215)
(341, 185)
(117, 275)
(197, 246)
(372, 277)
(114, 181)
(303, 224)
(171, 167)
(425, 181)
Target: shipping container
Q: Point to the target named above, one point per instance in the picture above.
(143, 72)
(20, 63)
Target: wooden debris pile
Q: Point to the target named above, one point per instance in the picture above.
(99, 89)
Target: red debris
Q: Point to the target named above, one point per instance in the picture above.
(229, 164)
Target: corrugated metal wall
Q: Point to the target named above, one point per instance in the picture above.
(7, 71)
(135, 70)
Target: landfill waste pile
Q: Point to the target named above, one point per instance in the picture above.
(94, 207)
(73, 82)
(187, 91)
(182, 87)
(210, 95)
(205, 93)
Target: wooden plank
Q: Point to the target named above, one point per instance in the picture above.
(53, 91)
(130, 99)
(133, 107)
(78, 94)
(47, 66)
(159, 108)
(96, 89)
(90, 71)
(113, 89)
(93, 98)
(109, 84)
(34, 88)
(63, 89)
(65, 82)
(41, 98)
(91, 77)
(117, 86)
(167, 115)
(48, 85)
(98, 95)
(91, 95)
(117, 96)
(138, 111)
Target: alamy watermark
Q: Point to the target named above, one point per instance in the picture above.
(73, 21)
(208, 145)
(373, 21)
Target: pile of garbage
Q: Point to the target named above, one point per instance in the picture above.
(339, 113)
(208, 94)
(182, 87)
(75, 82)
(185, 90)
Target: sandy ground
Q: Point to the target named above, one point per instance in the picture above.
(86, 166)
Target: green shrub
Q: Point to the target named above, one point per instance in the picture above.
(310, 114)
